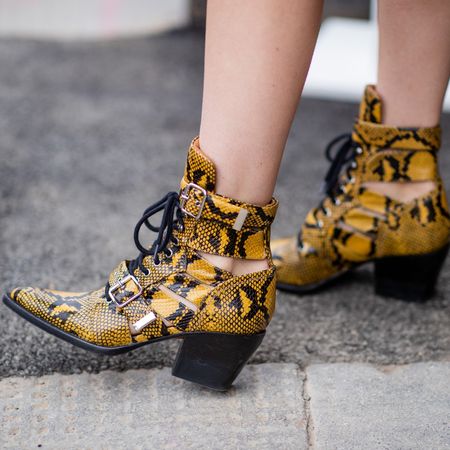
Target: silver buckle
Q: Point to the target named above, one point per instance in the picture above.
(123, 282)
(185, 197)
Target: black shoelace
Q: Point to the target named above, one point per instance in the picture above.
(344, 155)
(172, 218)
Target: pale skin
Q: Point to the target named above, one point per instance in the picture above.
(413, 71)
(257, 56)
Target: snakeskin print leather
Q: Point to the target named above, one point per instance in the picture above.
(357, 225)
(181, 291)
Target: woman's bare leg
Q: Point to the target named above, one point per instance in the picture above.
(256, 59)
(413, 71)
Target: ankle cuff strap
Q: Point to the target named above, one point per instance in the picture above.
(223, 226)
(385, 137)
(397, 154)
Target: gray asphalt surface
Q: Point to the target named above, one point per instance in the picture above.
(91, 134)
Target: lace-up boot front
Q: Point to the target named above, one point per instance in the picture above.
(171, 291)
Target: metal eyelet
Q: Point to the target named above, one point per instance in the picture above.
(169, 253)
(354, 165)
(352, 180)
(156, 263)
(327, 212)
(359, 150)
(320, 223)
(146, 273)
(336, 201)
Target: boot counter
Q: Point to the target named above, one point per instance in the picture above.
(244, 304)
(423, 226)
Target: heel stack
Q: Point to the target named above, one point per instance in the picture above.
(214, 360)
(411, 278)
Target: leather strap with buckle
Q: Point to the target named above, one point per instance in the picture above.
(119, 291)
(195, 200)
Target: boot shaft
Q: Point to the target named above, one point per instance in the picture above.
(392, 154)
(219, 225)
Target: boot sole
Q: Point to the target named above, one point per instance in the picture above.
(209, 359)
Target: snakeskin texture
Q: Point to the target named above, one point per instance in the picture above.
(216, 233)
(182, 291)
(359, 225)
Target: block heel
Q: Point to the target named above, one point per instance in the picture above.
(411, 278)
(214, 360)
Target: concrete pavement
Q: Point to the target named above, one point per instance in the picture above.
(356, 406)
(149, 409)
(332, 406)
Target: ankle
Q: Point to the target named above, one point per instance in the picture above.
(401, 109)
(403, 192)
(237, 175)
(236, 266)
(232, 233)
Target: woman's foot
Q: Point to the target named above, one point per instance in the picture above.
(170, 290)
(374, 211)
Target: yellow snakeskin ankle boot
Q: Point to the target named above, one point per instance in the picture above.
(353, 225)
(171, 291)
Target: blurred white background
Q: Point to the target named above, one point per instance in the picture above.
(90, 19)
(344, 61)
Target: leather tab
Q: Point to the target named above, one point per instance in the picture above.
(370, 108)
(199, 168)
